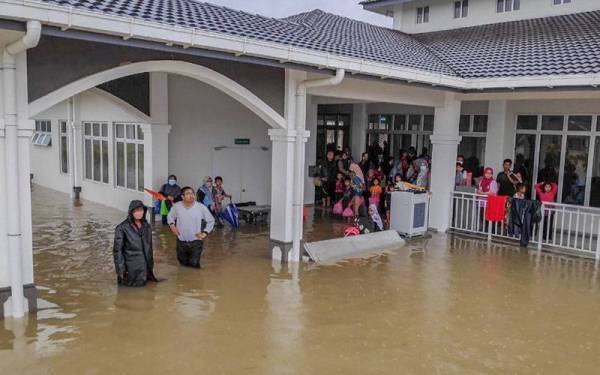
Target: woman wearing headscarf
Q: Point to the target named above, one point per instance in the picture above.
(487, 185)
(374, 214)
(364, 222)
(172, 192)
(204, 194)
(358, 184)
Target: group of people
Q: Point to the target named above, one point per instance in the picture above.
(360, 190)
(191, 216)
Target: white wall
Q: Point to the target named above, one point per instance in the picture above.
(45, 161)
(441, 13)
(203, 118)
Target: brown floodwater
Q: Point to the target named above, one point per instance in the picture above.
(442, 305)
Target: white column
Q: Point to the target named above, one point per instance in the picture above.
(497, 133)
(25, 127)
(156, 157)
(4, 260)
(282, 189)
(358, 132)
(159, 98)
(311, 149)
(445, 140)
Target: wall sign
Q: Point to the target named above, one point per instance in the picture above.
(242, 141)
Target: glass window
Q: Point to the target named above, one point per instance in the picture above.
(422, 14)
(129, 148)
(473, 149)
(88, 159)
(553, 123)
(525, 157)
(140, 160)
(414, 122)
(580, 123)
(464, 125)
(400, 122)
(428, 123)
(96, 151)
(64, 148)
(461, 8)
(549, 158)
(120, 163)
(575, 173)
(527, 122)
(43, 133)
(595, 187)
(480, 123)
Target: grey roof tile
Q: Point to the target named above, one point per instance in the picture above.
(567, 44)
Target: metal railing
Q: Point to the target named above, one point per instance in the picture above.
(562, 226)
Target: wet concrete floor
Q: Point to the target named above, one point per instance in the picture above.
(444, 305)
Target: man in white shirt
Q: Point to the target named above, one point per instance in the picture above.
(186, 220)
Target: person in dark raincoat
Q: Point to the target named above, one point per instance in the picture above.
(132, 251)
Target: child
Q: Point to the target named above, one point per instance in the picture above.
(376, 192)
(521, 190)
(546, 192)
(460, 179)
(339, 187)
(219, 195)
(374, 214)
(348, 194)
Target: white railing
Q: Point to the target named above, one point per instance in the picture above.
(563, 226)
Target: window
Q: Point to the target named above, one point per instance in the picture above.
(43, 133)
(400, 132)
(559, 2)
(507, 5)
(129, 156)
(563, 149)
(423, 15)
(473, 129)
(95, 148)
(461, 8)
(64, 147)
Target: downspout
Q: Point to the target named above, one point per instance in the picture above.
(29, 40)
(299, 154)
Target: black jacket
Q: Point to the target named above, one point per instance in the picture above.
(132, 251)
(523, 215)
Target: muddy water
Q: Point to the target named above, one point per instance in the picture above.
(445, 305)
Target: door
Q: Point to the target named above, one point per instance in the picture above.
(246, 173)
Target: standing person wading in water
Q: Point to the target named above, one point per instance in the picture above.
(186, 220)
(132, 250)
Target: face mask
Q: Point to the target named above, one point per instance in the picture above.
(423, 168)
(172, 182)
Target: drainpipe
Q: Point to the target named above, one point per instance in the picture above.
(29, 40)
(299, 153)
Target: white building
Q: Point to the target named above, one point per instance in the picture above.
(106, 100)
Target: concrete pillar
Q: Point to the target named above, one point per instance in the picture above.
(282, 182)
(497, 133)
(156, 157)
(75, 145)
(445, 140)
(311, 148)
(358, 132)
(4, 269)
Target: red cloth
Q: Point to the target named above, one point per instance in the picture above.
(496, 207)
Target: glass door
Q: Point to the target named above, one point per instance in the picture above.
(333, 133)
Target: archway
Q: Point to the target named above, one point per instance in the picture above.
(198, 72)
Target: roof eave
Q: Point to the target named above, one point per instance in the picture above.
(128, 28)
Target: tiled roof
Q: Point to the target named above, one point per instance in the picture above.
(558, 45)
(567, 44)
(315, 30)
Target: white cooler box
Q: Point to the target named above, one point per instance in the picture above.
(409, 214)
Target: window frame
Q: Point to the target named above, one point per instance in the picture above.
(136, 141)
(100, 138)
(62, 134)
(423, 15)
(561, 2)
(593, 135)
(461, 9)
(42, 136)
(515, 5)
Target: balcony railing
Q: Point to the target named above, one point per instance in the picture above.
(565, 227)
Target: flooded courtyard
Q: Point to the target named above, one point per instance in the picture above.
(442, 305)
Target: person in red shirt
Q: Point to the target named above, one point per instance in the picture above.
(546, 193)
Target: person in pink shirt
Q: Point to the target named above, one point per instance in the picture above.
(546, 193)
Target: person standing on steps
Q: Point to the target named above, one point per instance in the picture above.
(191, 222)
